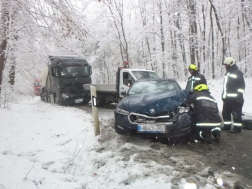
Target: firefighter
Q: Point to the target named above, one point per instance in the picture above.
(208, 120)
(232, 96)
(195, 79)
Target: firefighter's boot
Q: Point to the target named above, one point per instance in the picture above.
(208, 138)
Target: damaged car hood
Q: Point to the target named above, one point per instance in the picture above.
(153, 104)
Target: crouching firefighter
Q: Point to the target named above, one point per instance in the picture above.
(208, 120)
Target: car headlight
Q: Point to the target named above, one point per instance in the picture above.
(121, 111)
(182, 109)
(64, 95)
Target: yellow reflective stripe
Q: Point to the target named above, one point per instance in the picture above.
(233, 75)
(225, 83)
(205, 98)
(208, 124)
(232, 94)
(200, 134)
(241, 90)
(238, 124)
(192, 82)
(227, 122)
(217, 128)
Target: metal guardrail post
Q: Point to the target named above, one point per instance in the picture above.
(95, 111)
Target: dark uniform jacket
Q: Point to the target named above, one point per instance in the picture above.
(206, 109)
(195, 79)
(233, 85)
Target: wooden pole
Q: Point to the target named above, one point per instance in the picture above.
(95, 111)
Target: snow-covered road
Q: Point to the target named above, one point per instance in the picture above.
(50, 146)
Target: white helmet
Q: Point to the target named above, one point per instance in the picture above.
(229, 61)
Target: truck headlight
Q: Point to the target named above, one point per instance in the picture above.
(182, 109)
(121, 111)
(64, 95)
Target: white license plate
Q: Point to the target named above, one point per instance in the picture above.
(78, 100)
(151, 129)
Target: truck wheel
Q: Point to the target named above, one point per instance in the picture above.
(100, 102)
(85, 101)
(42, 96)
(60, 101)
(48, 100)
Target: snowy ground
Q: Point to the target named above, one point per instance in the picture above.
(48, 146)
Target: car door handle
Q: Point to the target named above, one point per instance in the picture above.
(122, 88)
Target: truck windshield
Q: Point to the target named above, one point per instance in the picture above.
(146, 87)
(74, 71)
(145, 75)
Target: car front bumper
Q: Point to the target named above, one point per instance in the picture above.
(180, 127)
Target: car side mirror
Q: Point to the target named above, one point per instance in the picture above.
(123, 93)
(90, 70)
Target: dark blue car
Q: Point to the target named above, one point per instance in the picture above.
(155, 108)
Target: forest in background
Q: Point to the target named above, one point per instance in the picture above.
(161, 35)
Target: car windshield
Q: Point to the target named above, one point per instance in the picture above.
(73, 71)
(145, 75)
(146, 87)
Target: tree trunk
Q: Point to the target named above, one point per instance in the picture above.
(119, 35)
(120, 12)
(212, 30)
(193, 32)
(219, 27)
(204, 34)
(162, 37)
(5, 16)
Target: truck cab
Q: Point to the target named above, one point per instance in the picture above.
(63, 80)
(125, 77)
(109, 93)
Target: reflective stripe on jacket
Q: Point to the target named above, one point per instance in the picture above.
(194, 80)
(206, 109)
(233, 85)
